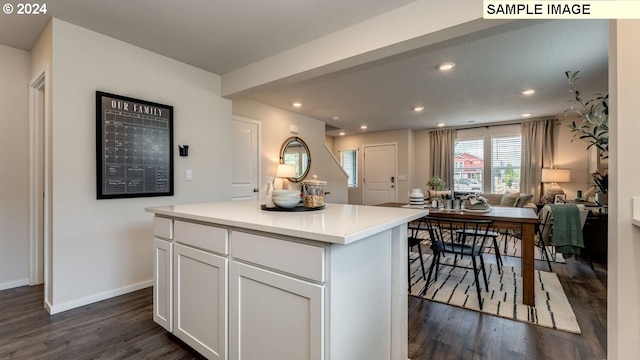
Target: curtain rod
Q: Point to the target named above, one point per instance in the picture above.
(495, 124)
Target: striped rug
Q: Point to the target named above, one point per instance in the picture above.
(504, 297)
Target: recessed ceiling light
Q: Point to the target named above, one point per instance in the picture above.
(342, 133)
(418, 108)
(446, 66)
(526, 114)
(440, 124)
(527, 91)
(335, 117)
(363, 127)
(297, 104)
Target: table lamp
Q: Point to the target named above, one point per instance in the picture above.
(285, 171)
(555, 176)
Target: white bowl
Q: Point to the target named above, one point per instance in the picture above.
(294, 196)
(286, 193)
(286, 202)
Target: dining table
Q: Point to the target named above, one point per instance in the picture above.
(523, 220)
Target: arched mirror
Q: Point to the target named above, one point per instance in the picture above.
(295, 152)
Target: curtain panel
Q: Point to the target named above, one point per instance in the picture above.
(537, 152)
(442, 155)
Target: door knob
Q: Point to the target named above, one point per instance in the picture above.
(255, 189)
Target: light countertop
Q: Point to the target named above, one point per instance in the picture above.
(336, 223)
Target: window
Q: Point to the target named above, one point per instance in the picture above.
(469, 165)
(506, 153)
(495, 152)
(349, 162)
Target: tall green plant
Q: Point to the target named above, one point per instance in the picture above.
(593, 126)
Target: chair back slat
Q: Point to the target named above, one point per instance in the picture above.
(458, 236)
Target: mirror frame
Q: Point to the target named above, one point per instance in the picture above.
(285, 144)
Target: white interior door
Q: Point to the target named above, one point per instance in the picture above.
(245, 159)
(380, 177)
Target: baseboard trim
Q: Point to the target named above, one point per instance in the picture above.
(47, 306)
(14, 284)
(58, 308)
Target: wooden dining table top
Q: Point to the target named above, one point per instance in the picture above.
(497, 213)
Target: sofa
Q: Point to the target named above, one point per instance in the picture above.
(508, 199)
(511, 199)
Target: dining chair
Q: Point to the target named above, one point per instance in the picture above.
(548, 224)
(460, 238)
(494, 234)
(417, 229)
(543, 234)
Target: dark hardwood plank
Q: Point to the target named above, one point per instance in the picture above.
(122, 327)
(438, 331)
(117, 328)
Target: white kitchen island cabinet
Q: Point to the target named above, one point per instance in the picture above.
(200, 298)
(259, 285)
(163, 272)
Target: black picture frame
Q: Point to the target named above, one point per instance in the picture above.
(134, 143)
(559, 199)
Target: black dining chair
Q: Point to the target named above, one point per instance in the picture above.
(417, 230)
(460, 238)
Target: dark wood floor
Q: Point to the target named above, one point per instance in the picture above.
(439, 331)
(122, 328)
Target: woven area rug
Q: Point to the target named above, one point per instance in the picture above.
(504, 297)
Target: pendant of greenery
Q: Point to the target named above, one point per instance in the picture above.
(593, 126)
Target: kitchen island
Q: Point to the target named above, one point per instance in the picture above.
(237, 282)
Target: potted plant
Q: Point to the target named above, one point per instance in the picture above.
(593, 115)
(436, 183)
(602, 187)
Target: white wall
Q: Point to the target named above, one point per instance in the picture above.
(14, 158)
(623, 313)
(404, 140)
(275, 130)
(103, 247)
(572, 154)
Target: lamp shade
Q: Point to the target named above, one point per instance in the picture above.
(556, 175)
(286, 171)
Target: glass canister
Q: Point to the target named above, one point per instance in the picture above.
(313, 192)
(269, 187)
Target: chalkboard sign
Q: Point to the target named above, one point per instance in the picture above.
(134, 142)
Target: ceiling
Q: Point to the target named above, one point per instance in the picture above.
(492, 66)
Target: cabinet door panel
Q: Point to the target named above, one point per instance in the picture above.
(201, 300)
(162, 283)
(274, 317)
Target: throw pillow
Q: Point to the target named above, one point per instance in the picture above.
(509, 199)
(523, 199)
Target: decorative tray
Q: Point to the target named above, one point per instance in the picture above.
(478, 210)
(295, 209)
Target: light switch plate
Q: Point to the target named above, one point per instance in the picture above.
(188, 175)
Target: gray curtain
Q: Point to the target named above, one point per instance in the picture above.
(537, 152)
(442, 148)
